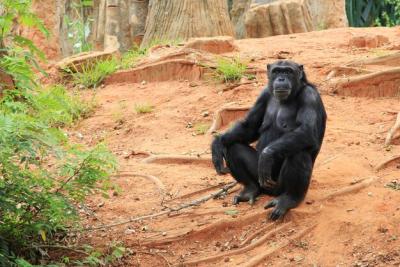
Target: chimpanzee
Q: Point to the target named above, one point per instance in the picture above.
(288, 121)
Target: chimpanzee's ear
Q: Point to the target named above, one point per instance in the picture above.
(301, 70)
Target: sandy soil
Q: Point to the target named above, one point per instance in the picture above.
(360, 228)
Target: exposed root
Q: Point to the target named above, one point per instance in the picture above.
(388, 60)
(177, 159)
(152, 178)
(393, 130)
(377, 84)
(226, 115)
(235, 85)
(210, 229)
(350, 189)
(197, 202)
(255, 261)
(256, 234)
(386, 163)
(240, 250)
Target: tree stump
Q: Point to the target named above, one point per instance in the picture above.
(183, 19)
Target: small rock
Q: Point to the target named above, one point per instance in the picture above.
(115, 193)
(309, 202)
(226, 260)
(217, 244)
(224, 204)
(101, 204)
(164, 233)
(193, 84)
(129, 231)
(370, 194)
(205, 114)
(79, 135)
(143, 82)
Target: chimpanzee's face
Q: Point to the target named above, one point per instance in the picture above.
(284, 78)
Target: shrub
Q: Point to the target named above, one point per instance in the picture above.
(230, 70)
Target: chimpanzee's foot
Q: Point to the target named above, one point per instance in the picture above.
(281, 205)
(248, 194)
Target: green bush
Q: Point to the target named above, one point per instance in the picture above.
(230, 70)
(42, 175)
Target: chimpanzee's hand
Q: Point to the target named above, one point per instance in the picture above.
(217, 152)
(265, 163)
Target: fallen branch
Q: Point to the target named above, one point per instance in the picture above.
(393, 130)
(73, 249)
(152, 178)
(194, 203)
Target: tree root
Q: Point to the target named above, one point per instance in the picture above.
(255, 261)
(177, 159)
(152, 178)
(240, 250)
(349, 189)
(197, 202)
(256, 233)
(209, 229)
(220, 117)
(393, 130)
(235, 85)
(386, 163)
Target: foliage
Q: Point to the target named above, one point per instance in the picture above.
(130, 58)
(79, 25)
(364, 13)
(42, 175)
(143, 108)
(18, 54)
(230, 70)
(91, 75)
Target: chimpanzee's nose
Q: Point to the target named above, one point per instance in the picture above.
(281, 79)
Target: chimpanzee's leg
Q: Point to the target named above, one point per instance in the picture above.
(294, 179)
(242, 161)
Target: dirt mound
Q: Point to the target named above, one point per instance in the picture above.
(368, 41)
(215, 45)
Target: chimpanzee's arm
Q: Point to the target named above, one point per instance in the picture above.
(246, 131)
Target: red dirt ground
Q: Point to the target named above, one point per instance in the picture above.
(357, 229)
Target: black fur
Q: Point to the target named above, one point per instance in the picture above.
(288, 122)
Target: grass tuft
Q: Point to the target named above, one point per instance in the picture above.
(92, 75)
(143, 108)
(230, 70)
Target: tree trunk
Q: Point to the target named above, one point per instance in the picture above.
(112, 29)
(183, 19)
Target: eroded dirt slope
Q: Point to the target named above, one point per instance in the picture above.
(360, 228)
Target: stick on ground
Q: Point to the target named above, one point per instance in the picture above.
(196, 202)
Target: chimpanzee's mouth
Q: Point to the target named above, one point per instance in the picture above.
(281, 93)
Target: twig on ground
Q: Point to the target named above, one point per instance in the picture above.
(196, 202)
